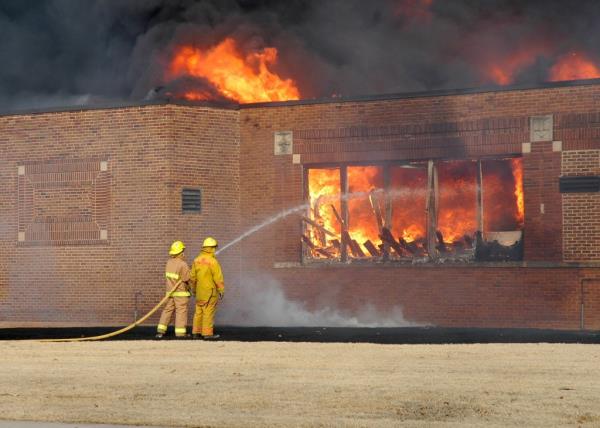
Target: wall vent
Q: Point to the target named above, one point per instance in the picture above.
(191, 200)
(581, 184)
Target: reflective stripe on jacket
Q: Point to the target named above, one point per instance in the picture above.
(180, 294)
(176, 270)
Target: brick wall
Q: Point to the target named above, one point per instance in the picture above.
(540, 292)
(543, 207)
(581, 217)
(446, 296)
(60, 277)
(205, 155)
(90, 201)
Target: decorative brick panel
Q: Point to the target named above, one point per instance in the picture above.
(63, 203)
(412, 141)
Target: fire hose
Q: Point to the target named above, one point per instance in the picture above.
(124, 329)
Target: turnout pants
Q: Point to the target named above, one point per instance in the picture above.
(204, 317)
(179, 305)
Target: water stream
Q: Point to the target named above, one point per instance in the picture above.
(265, 223)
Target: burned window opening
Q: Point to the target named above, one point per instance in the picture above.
(427, 211)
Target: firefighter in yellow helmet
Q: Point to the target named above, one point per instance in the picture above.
(177, 271)
(207, 277)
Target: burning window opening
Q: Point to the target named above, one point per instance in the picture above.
(323, 238)
(460, 210)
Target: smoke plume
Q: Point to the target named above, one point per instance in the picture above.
(59, 52)
(260, 302)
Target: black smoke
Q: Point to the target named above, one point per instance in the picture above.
(58, 52)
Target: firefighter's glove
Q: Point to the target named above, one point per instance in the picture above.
(221, 296)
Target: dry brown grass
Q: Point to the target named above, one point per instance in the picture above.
(301, 384)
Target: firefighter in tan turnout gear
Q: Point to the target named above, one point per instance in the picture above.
(177, 271)
(207, 277)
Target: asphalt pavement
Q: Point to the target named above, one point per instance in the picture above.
(400, 335)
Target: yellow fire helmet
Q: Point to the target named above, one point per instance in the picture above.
(177, 247)
(210, 242)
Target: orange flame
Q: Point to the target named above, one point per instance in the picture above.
(409, 201)
(242, 78)
(503, 70)
(574, 66)
(503, 208)
(363, 224)
(196, 95)
(517, 169)
(457, 212)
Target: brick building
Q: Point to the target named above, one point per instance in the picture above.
(91, 199)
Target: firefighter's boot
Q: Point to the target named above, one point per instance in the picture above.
(211, 337)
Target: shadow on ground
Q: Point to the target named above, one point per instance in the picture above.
(403, 335)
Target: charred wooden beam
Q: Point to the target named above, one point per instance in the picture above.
(371, 248)
(352, 244)
(376, 209)
(458, 245)
(374, 199)
(421, 246)
(387, 237)
(356, 250)
(346, 241)
(468, 240)
(431, 208)
(338, 217)
(320, 234)
(308, 242)
(318, 226)
(325, 252)
(441, 245)
(411, 247)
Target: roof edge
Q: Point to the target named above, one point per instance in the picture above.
(335, 100)
(427, 94)
(119, 105)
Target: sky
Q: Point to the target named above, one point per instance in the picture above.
(72, 52)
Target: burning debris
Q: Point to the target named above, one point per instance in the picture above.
(434, 211)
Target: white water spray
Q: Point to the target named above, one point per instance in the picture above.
(265, 223)
(262, 301)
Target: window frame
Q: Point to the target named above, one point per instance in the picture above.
(431, 207)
